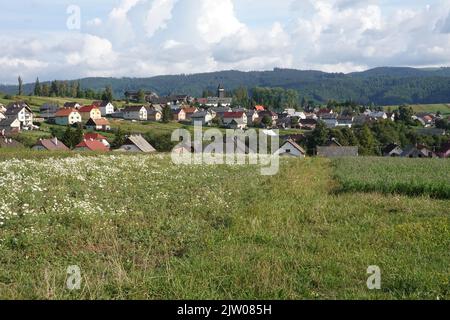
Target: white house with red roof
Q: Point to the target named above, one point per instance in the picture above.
(64, 117)
(237, 120)
(97, 137)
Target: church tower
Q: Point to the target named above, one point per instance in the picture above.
(221, 92)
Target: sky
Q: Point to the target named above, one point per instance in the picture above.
(71, 39)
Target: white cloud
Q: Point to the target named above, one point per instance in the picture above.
(151, 37)
(159, 13)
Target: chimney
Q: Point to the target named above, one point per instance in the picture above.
(55, 141)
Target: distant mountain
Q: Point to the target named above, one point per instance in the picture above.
(382, 86)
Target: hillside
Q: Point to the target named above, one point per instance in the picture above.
(139, 227)
(382, 86)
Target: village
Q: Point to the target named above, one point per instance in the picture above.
(94, 123)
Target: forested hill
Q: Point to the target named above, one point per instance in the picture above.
(382, 86)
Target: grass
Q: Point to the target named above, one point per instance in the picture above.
(404, 176)
(142, 228)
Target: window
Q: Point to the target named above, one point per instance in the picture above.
(288, 150)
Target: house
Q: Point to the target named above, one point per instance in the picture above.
(48, 110)
(252, 117)
(237, 124)
(418, 151)
(64, 117)
(154, 115)
(136, 143)
(292, 149)
(50, 145)
(106, 107)
(330, 120)
(2, 108)
(91, 145)
(11, 125)
(133, 96)
(9, 143)
(230, 144)
(72, 105)
(2, 116)
(101, 124)
(20, 111)
(444, 151)
(98, 137)
(178, 115)
(345, 121)
(203, 117)
(260, 108)
(235, 120)
(392, 150)
(135, 113)
(308, 124)
(378, 115)
(90, 112)
(189, 112)
(267, 113)
(323, 112)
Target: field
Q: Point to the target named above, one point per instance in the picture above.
(421, 176)
(141, 228)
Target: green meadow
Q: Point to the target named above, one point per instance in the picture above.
(140, 227)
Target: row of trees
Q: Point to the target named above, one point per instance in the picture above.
(371, 138)
(66, 89)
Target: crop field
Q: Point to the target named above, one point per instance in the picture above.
(139, 227)
(404, 176)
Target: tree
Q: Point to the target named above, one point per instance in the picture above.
(367, 142)
(108, 94)
(37, 88)
(72, 137)
(267, 121)
(119, 139)
(405, 114)
(80, 93)
(166, 114)
(141, 96)
(20, 86)
(54, 90)
(319, 136)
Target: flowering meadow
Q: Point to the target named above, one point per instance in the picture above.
(140, 227)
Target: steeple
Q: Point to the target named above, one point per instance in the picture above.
(221, 91)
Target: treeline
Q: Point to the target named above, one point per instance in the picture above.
(382, 86)
(276, 99)
(68, 89)
(373, 137)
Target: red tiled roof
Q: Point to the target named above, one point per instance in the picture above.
(260, 108)
(64, 112)
(93, 145)
(233, 115)
(94, 136)
(99, 122)
(88, 108)
(190, 110)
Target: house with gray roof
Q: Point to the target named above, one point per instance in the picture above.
(136, 143)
